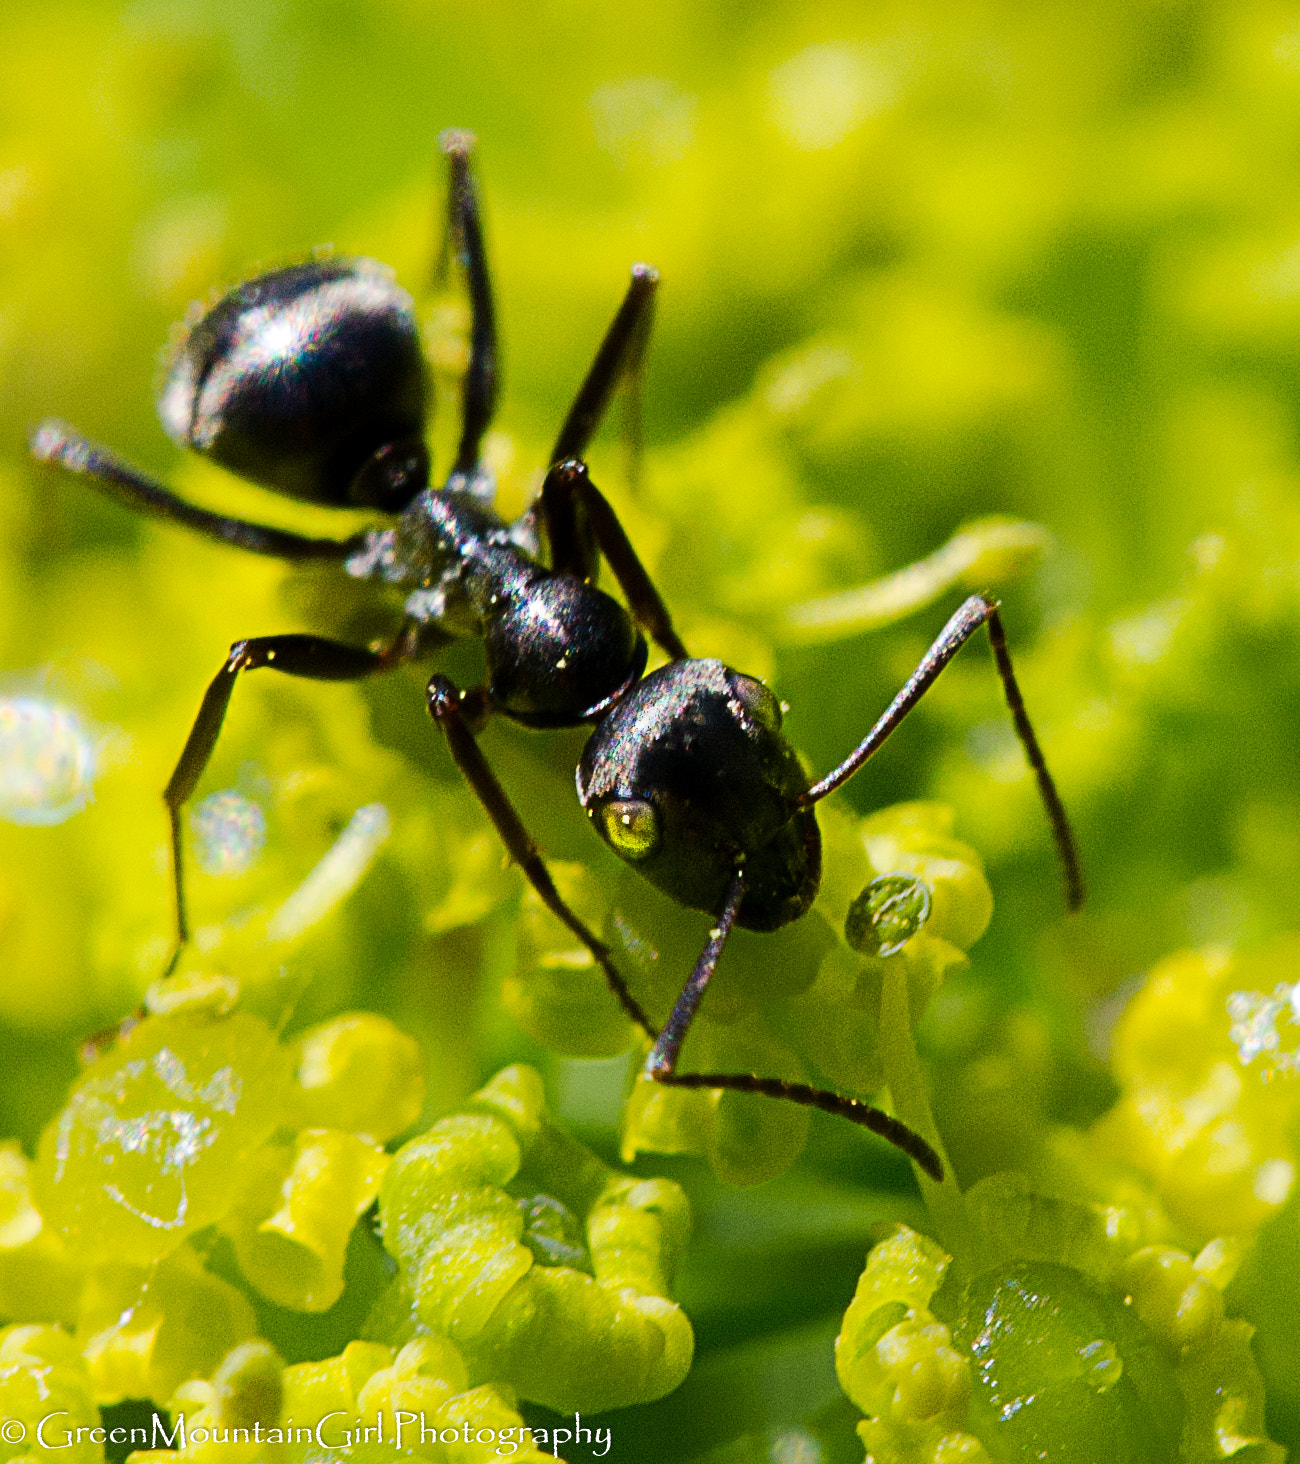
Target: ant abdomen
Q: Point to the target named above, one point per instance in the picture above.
(309, 380)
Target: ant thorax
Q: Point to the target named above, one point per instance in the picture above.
(441, 551)
(559, 651)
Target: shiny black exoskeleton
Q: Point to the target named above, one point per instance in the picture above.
(689, 772)
(311, 381)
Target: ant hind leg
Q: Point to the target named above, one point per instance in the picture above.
(55, 442)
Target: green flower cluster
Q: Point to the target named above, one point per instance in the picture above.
(526, 1267)
(1054, 1337)
(545, 1267)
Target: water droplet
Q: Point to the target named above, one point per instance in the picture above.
(887, 914)
(1103, 1366)
(554, 1234)
(47, 761)
(229, 832)
(795, 1446)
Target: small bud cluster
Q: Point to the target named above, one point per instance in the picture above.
(203, 1171)
(1048, 1341)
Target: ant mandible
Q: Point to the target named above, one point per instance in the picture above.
(311, 381)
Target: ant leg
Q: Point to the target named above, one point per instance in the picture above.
(976, 611)
(54, 442)
(620, 357)
(464, 239)
(454, 711)
(661, 1065)
(310, 656)
(566, 485)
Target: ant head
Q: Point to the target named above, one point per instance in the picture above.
(309, 380)
(689, 775)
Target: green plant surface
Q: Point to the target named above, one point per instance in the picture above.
(1001, 299)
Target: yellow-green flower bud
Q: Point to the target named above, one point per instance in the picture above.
(558, 1335)
(360, 1073)
(47, 1398)
(145, 1330)
(39, 1280)
(296, 1211)
(1170, 1296)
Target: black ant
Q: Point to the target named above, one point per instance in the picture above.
(311, 381)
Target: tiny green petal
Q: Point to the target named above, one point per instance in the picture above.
(902, 1274)
(296, 1211)
(249, 1385)
(146, 1330)
(423, 1376)
(315, 1389)
(246, 1390)
(360, 1073)
(43, 1376)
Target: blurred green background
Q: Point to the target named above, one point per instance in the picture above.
(921, 263)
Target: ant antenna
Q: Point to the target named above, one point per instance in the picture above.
(661, 1065)
(976, 611)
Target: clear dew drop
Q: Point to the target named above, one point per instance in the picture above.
(887, 914)
(229, 833)
(795, 1446)
(48, 759)
(1103, 1366)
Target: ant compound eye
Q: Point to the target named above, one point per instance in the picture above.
(887, 914)
(757, 702)
(630, 827)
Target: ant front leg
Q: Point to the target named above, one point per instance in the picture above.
(458, 715)
(310, 656)
(661, 1065)
(621, 358)
(568, 487)
(976, 611)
